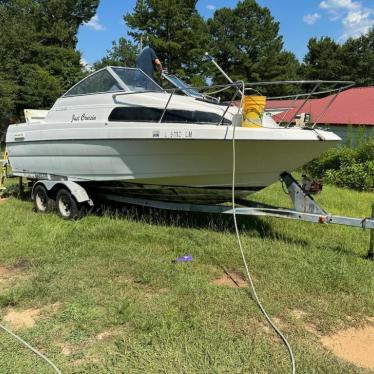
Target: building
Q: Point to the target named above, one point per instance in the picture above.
(351, 114)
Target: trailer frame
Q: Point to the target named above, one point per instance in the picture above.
(305, 208)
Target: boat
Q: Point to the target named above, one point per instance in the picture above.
(118, 130)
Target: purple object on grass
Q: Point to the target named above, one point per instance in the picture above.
(185, 258)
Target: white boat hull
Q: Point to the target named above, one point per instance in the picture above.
(178, 162)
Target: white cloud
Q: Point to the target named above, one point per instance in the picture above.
(311, 18)
(211, 7)
(357, 22)
(339, 4)
(355, 18)
(335, 14)
(94, 24)
(85, 65)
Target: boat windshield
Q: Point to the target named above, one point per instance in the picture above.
(136, 80)
(183, 86)
(114, 79)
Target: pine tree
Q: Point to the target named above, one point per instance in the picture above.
(323, 60)
(247, 45)
(38, 60)
(175, 30)
(358, 59)
(353, 60)
(58, 21)
(122, 53)
(7, 102)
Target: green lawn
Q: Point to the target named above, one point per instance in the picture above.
(111, 300)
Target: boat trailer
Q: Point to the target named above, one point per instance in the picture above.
(69, 198)
(305, 208)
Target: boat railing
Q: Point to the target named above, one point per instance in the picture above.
(241, 88)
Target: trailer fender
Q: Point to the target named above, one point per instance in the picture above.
(79, 193)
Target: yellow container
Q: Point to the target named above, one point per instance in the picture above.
(253, 110)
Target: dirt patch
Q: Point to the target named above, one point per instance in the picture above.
(104, 335)
(279, 323)
(8, 276)
(9, 273)
(355, 345)
(298, 314)
(22, 319)
(311, 328)
(112, 333)
(230, 279)
(2, 201)
(52, 309)
(66, 351)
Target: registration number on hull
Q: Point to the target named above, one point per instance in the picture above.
(172, 134)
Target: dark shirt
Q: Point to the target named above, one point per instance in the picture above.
(146, 61)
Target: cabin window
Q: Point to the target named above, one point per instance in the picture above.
(146, 114)
(102, 81)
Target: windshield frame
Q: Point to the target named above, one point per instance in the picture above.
(117, 78)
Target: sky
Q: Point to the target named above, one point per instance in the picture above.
(299, 20)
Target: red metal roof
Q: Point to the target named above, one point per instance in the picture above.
(352, 107)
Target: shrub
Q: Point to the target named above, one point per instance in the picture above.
(346, 167)
(356, 176)
(366, 151)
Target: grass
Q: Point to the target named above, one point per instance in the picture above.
(112, 300)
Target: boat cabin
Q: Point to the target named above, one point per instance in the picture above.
(122, 94)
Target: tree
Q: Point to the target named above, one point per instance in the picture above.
(7, 97)
(38, 60)
(358, 59)
(247, 45)
(58, 21)
(353, 60)
(175, 30)
(122, 53)
(323, 60)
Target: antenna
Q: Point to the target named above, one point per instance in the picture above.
(218, 67)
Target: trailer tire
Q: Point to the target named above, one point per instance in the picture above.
(67, 207)
(42, 202)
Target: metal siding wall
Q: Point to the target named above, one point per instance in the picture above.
(355, 132)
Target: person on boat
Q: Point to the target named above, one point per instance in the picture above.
(148, 61)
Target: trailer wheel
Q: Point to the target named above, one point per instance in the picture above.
(42, 202)
(67, 206)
